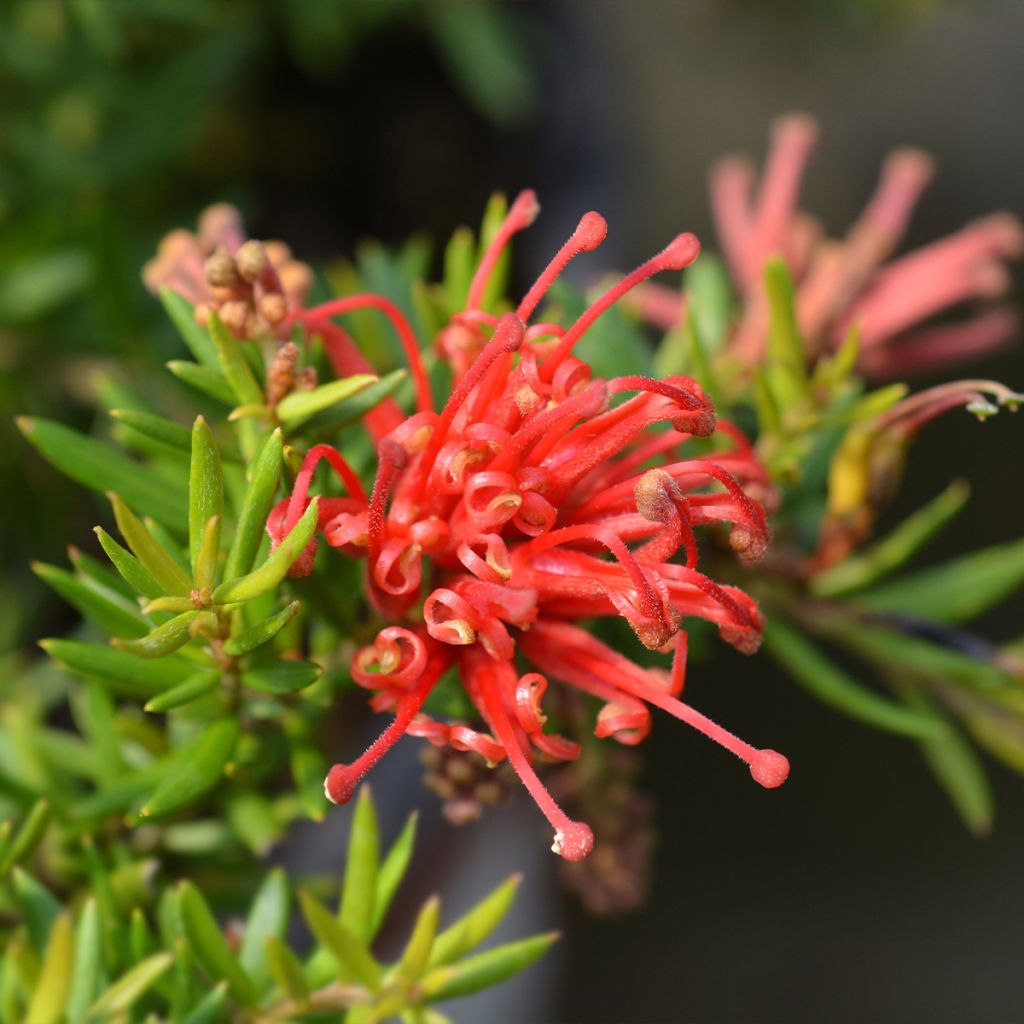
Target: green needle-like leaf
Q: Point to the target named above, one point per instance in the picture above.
(958, 768)
(804, 661)
(193, 688)
(130, 988)
(39, 908)
(351, 955)
(206, 379)
(128, 566)
(486, 969)
(150, 553)
(299, 406)
(275, 568)
(210, 948)
(51, 991)
(172, 434)
(107, 608)
(284, 677)
(23, 842)
(262, 632)
(359, 887)
(268, 918)
(392, 871)
(884, 556)
(101, 468)
(286, 969)
(353, 409)
(233, 364)
(210, 1007)
(164, 639)
(88, 964)
(194, 770)
(123, 670)
(956, 591)
(195, 336)
(472, 928)
(205, 566)
(259, 498)
(417, 951)
(205, 493)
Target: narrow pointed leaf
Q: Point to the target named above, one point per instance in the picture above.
(486, 969)
(284, 677)
(128, 565)
(805, 662)
(164, 639)
(286, 969)
(194, 770)
(472, 928)
(956, 591)
(392, 870)
(268, 918)
(174, 435)
(210, 948)
(203, 378)
(150, 553)
(351, 955)
(169, 604)
(39, 908)
(353, 409)
(195, 336)
(205, 566)
(108, 609)
(417, 951)
(140, 942)
(259, 498)
(958, 769)
(193, 688)
(308, 767)
(262, 632)
(233, 364)
(359, 888)
(88, 972)
(102, 468)
(918, 656)
(23, 843)
(210, 1007)
(299, 406)
(89, 567)
(51, 991)
(275, 568)
(883, 557)
(205, 492)
(130, 987)
(127, 673)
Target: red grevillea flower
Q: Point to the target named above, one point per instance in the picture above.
(847, 281)
(526, 504)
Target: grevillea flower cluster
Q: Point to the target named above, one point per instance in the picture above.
(252, 286)
(846, 282)
(538, 496)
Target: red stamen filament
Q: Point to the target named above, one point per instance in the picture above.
(296, 505)
(573, 839)
(342, 779)
(520, 216)
(589, 234)
(406, 335)
(679, 253)
(392, 459)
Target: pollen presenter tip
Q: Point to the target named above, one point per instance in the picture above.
(573, 841)
(769, 768)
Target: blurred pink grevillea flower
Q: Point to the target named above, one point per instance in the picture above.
(526, 504)
(251, 285)
(844, 282)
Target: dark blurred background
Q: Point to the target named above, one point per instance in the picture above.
(853, 894)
